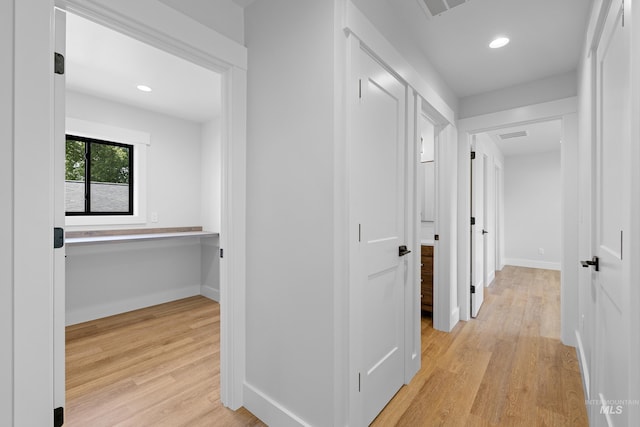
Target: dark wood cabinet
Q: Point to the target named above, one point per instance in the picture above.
(426, 284)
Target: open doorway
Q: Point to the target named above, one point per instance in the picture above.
(508, 126)
(175, 170)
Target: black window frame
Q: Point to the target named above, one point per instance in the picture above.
(87, 174)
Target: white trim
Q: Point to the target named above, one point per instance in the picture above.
(530, 263)
(582, 359)
(521, 115)
(490, 278)
(210, 292)
(454, 318)
(269, 410)
(33, 213)
(159, 25)
(89, 129)
(152, 22)
(86, 314)
(358, 25)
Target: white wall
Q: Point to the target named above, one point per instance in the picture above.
(532, 200)
(290, 211)
(210, 172)
(106, 279)
(173, 158)
(547, 89)
(224, 16)
(6, 215)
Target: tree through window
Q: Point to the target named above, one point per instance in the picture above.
(98, 177)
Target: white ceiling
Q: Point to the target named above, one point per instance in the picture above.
(546, 39)
(105, 63)
(541, 137)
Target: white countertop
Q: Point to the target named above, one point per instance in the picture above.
(427, 242)
(135, 237)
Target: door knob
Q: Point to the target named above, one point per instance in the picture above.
(485, 232)
(402, 250)
(593, 262)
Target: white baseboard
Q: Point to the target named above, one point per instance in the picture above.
(109, 309)
(582, 360)
(211, 293)
(491, 278)
(268, 410)
(529, 263)
(454, 318)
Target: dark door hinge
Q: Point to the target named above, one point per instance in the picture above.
(221, 253)
(436, 237)
(473, 289)
(359, 88)
(473, 220)
(58, 417)
(58, 63)
(58, 237)
(473, 155)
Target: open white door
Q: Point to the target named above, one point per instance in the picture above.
(378, 192)
(610, 266)
(477, 232)
(59, 219)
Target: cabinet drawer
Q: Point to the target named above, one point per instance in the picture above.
(427, 265)
(427, 251)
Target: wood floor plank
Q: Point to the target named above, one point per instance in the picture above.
(507, 367)
(160, 366)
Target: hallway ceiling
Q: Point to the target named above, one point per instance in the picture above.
(104, 63)
(541, 137)
(546, 39)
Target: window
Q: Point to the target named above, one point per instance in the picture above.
(98, 177)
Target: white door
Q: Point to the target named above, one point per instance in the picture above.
(378, 184)
(59, 219)
(477, 235)
(611, 210)
(485, 220)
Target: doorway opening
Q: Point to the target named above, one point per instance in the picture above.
(508, 126)
(179, 178)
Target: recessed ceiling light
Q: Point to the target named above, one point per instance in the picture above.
(499, 42)
(144, 88)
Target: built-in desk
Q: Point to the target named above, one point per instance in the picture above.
(135, 237)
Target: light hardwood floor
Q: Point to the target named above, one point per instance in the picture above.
(505, 368)
(160, 366)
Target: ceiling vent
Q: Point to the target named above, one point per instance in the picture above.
(510, 135)
(438, 7)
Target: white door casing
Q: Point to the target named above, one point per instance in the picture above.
(611, 208)
(477, 236)
(59, 217)
(155, 24)
(378, 196)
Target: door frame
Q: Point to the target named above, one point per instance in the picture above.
(355, 48)
(205, 47)
(358, 28)
(565, 110)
